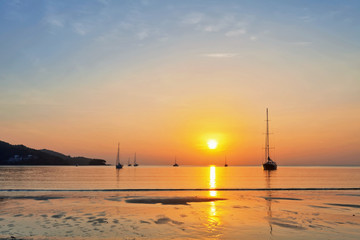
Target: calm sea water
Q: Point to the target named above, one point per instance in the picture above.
(157, 177)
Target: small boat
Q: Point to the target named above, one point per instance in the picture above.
(269, 164)
(225, 165)
(129, 164)
(175, 164)
(135, 164)
(118, 164)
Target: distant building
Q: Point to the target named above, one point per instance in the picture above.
(18, 158)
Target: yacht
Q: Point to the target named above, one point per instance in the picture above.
(268, 164)
(118, 164)
(175, 164)
(135, 164)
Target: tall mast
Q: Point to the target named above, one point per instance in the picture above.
(118, 155)
(135, 158)
(267, 140)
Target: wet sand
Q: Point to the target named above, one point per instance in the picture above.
(181, 215)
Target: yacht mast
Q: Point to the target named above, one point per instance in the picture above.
(267, 140)
(118, 155)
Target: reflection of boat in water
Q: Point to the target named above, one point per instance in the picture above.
(129, 164)
(225, 165)
(118, 164)
(269, 199)
(175, 164)
(268, 164)
(135, 164)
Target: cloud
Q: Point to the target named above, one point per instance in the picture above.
(231, 25)
(80, 29)
(301, 43)
(193, 18)
(54, 21)
(218, 24)
(142, 34)
(212, 28)
(253, 38)
(105, 2)
(235, 33)
(306, 19)
(220, 55)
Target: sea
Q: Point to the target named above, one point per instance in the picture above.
(186, 202)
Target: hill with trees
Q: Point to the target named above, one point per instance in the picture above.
(22, 155)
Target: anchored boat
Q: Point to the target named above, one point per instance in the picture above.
(269, 164)
(118, 164)
(175, 164)
(135, 164)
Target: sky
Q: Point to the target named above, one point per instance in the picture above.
(163, 77)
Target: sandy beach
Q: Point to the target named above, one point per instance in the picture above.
(181, 215)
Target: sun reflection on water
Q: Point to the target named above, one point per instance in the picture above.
(213, 181)
(212, 209)
(213, 218)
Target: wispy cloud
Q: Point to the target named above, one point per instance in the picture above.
(306, 18)
(301, 43)
(80, 28)
(105, 2)
(141, 35)
(53, 18)
(220, 55)
(212, 28)
(253, 38)
(193, 18)
(229, 24)
(54, 21)
(218, 24)
(235, 33)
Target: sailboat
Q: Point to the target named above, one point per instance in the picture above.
(268, 164)
(129, 164)
(225, 165)
(135, 164)
(118, 164)
(175, 164)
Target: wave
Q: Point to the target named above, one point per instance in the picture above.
(181, 189)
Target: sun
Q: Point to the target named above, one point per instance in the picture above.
(212, 143)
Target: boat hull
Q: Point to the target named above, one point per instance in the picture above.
(119, 166)
(270, 166)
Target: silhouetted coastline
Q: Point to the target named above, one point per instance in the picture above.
(22, 155)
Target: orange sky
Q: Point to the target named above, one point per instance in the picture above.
(84, 82)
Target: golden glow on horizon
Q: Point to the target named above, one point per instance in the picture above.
(212, 143)
(213, 181)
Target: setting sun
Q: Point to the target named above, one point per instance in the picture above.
(212, 144)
